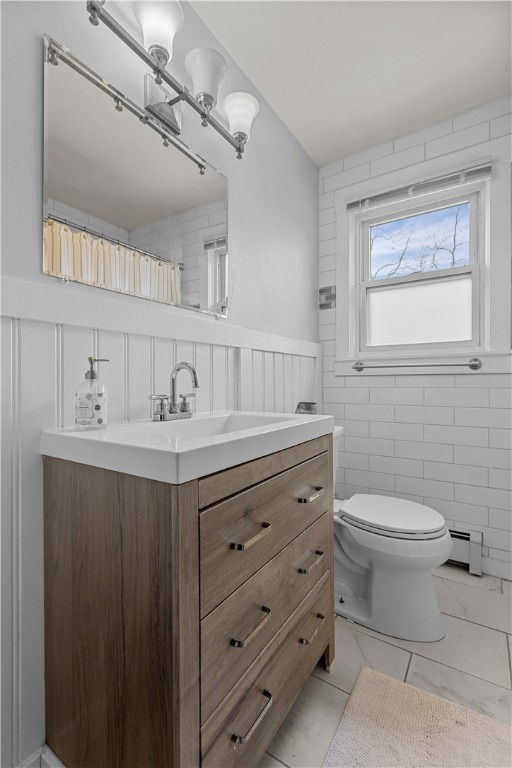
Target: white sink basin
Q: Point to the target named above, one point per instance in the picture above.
(205, 425)
(178, 451)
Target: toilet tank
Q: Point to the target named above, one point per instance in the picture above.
(336, 437)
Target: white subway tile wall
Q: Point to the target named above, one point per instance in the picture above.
(181, 238)
(442, 440)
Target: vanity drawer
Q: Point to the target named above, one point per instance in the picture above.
(235, 633)
(220, 485)
(239, 535)
(250, 723)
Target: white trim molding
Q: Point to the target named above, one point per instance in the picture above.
(47, 301)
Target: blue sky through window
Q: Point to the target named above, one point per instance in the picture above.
(424, 242)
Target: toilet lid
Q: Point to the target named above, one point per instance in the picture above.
(387, 513)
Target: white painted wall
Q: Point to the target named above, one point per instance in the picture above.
(442, 440)
(263, 356)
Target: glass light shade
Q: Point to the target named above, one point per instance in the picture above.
(207, 68)
(160, 21)
(241, 109)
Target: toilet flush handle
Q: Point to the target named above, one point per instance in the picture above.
(314, 496)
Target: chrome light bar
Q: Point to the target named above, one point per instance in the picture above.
(97, 13)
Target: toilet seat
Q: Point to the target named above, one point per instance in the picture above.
(391, 517)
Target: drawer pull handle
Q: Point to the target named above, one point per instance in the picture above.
(244, 643)
(244, 739)
(314, 563)
(314, 496)
(265, 528)
(308, 640)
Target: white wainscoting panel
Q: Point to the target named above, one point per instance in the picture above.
(42, 364)
(164, 360)
(269, 381)
(139, 376)
(273, 381)
(204, 363)
(9, 534)
(113, 346)
(219, 374)
(257, 382)
(279, 382)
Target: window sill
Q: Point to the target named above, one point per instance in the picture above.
(492, 362)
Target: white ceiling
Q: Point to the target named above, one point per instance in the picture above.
(346, 75)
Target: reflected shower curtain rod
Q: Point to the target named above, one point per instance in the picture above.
(95, 233)
(474, 363)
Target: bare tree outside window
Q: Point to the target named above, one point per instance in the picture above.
(425, 242)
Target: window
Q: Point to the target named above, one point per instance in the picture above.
(217, 266)
(416, 283)
(419, 270)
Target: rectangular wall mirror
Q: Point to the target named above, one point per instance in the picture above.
(122, 211)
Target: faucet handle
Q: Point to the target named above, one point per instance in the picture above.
(184, 406)
(161, 407)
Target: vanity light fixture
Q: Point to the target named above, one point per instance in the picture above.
(241, 109)
(160, 21)
(206, 68)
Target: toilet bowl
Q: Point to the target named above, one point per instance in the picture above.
(384, 551)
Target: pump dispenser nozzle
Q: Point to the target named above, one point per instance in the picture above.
(91, 373)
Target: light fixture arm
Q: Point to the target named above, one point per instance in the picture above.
(97, 12)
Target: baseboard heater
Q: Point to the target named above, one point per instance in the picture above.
(467, 550)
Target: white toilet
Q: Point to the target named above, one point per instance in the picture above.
(384, 550)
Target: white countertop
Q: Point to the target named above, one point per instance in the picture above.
(178, 451)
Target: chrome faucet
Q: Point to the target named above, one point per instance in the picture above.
(184, 407)
(164, 410)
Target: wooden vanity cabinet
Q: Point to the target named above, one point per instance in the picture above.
(181, 621)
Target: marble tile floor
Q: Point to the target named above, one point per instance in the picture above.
(471, 666)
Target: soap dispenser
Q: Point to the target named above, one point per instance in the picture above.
(91, 400)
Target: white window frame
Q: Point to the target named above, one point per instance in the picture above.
(410, 207)
(491, 276)
(214, 249)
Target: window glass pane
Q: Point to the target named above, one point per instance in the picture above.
(424, 312)
(217, 278)
(424, 242)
